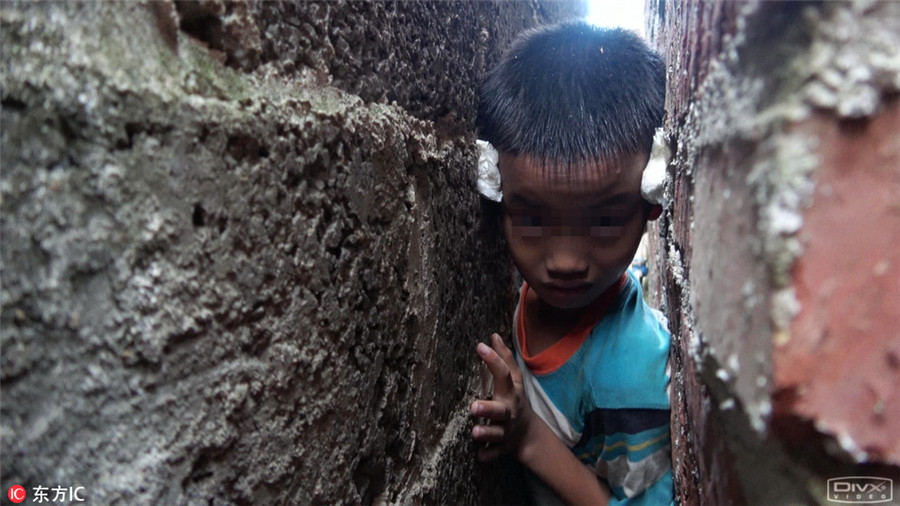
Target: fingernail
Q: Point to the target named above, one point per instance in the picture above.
(476, 431)
(483, 349)
(476, 409)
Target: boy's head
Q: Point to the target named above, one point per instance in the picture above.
(573, 92)
(572, 110)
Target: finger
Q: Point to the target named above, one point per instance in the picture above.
(506, 354)
(489, 453)
(488, 433)
(493, 410)
(503, 382)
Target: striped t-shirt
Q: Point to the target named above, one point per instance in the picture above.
(602, 389)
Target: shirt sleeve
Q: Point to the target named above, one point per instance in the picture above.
(630, 449)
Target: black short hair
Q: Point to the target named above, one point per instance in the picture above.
(573, 92)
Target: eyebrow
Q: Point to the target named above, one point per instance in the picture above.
(520, 200)
(620, 198)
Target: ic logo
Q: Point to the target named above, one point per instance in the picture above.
(860, 489)
(16, 493)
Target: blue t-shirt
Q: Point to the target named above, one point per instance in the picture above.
(602, 389)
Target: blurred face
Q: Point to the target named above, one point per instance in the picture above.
(572, 235)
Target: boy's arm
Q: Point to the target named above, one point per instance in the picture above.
(516, 428)
(555, 463)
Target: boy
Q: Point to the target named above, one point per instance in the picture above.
(572, 110)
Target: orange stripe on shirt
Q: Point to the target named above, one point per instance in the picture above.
(561, 351)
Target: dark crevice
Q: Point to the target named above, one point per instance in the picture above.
(222, 223)
(243, 146)
(201, 23)
(13, 104)
(198, 217)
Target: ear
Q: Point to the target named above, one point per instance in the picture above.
(655, 212)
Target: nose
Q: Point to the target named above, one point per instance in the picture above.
(566, 260)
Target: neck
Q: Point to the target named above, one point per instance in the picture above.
(547, 313)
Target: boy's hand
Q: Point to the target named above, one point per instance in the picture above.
(508, 412)
(513, 427)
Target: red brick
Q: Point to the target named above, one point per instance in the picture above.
(841, 362)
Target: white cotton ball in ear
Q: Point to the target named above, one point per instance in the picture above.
(488, 171)
(653, 181)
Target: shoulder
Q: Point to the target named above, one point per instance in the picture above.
(633, 328)
(633, 313)
(629, 350)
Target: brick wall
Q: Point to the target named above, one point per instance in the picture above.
(779, 253)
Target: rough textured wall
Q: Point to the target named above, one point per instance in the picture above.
(242, 256)
(779, 254)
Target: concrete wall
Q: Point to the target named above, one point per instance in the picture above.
(780, 252)
(242, 256)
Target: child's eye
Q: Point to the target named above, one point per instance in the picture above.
(601, 221)
(606, 226)
(530, 221)
(529, 225)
